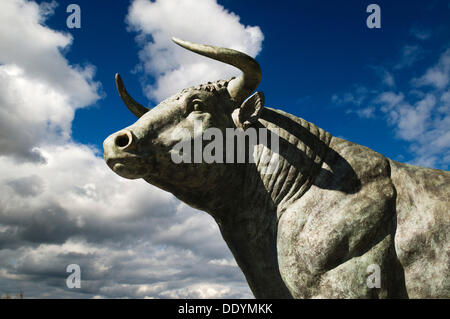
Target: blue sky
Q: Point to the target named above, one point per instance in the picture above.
(385, 88)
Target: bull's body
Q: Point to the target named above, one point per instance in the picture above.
(360, 209)
(320, 233)
(317, 224)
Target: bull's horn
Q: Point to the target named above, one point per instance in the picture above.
(136, 108)
(241, 87)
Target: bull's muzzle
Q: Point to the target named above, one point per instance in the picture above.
(117, 155)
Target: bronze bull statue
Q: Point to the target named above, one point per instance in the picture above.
(329, 215)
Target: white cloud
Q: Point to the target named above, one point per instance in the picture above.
(39, 89)
(388, 79)
(420, 33)
(386, 76)
(410, 54)
(413, 121)
(367, 112)
(30, 46)
(420, 114)
(358, 96)
(437, 76)
(47, 8)
(427, 123)
(390, 99)
(28, 109)
(445, 102)
(423, 117)
(201, 291)
(202, 21)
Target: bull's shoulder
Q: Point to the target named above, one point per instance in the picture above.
(346, 213)
(348, 166)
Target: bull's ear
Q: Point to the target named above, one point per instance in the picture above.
(250, 111)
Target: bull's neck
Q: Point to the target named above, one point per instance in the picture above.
(248, 200)
(248, 223)
(279, 175)
(258, 193)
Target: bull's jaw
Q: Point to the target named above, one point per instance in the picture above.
(128, 171)
(198, 185)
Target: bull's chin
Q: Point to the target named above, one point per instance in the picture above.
(128, 172)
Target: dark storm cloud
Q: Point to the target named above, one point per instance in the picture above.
(27, 186)
(160, 242)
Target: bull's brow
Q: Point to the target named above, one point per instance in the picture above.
(214, 87)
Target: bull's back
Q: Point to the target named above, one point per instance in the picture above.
(423, 226)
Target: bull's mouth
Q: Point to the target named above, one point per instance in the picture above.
(131, 168)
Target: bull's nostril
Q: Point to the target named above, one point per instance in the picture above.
(122, 140)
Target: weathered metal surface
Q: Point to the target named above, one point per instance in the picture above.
(310, 227)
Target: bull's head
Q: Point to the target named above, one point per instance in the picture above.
(143, 150)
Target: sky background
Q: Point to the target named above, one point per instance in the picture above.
(60, 204)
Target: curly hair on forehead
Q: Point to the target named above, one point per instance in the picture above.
(213, 87)
(218, 88)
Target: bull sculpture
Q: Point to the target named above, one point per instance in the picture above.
(332, 214)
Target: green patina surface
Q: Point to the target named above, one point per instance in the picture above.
(314, 225)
